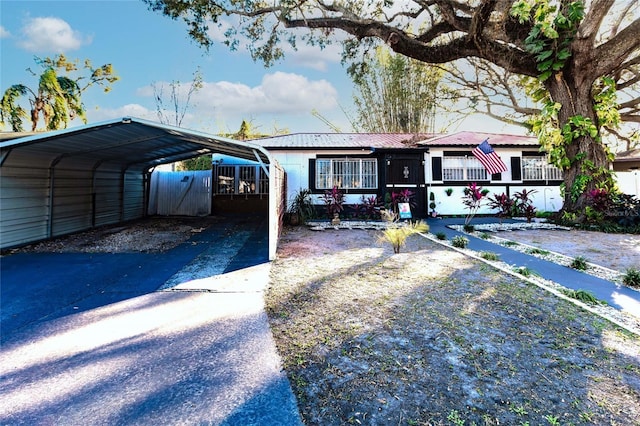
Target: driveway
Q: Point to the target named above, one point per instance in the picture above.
(179, 337)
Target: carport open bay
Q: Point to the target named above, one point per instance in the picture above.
(87, 339)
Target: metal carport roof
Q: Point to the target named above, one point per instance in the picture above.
(131, 143)
(37, 175)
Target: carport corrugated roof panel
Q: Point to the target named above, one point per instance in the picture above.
(131, 143)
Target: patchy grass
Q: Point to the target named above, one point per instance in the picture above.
(432, 337)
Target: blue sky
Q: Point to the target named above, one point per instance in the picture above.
(149, 49)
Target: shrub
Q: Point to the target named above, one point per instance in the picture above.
(473, 195)
(536, 250)
(632, 277)
(370, 207)
(397, 233)
(503, 203)
(523, 204)
(333, 199)
(488, 255)
(301, 206)
(441, 236)
(579, 263)
(460, 241)
(485, 236)
(524, 271)
(583, 296)
(469, 228)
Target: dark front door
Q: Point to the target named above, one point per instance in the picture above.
(407, 172)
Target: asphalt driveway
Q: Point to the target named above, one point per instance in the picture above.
(143, 338)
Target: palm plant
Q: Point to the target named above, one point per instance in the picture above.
(57, 98)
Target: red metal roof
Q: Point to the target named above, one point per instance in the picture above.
(390, 140)
(343, 140)
(474, 138)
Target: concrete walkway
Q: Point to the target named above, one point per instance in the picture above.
(104, 348)
(616, 295)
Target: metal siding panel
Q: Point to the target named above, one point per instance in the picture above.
(24, 200)
(133, 196)
(182, 193)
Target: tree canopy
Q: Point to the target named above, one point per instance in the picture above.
(581, 54)
(57, 99)
(396, 95)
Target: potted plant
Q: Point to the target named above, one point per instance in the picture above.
(432, 204)
(301, 207)
(449, 191)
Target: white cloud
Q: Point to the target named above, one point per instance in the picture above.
(278, 93)
(313, 57)
(129, 110)
(50, 34)
(4, 33)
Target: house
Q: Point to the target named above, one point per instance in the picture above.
(367, 164)
(626, 165)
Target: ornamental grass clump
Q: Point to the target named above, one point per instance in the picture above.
(579, 263)
(397, 232)
(459, 241)
(632, 278)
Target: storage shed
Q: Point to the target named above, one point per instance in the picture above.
(65, 181)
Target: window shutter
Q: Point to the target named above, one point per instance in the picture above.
(436, 168)
(516, 169)
(312, 174)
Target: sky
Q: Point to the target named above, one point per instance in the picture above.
(149, 50)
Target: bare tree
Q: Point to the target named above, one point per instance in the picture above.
(173, 110)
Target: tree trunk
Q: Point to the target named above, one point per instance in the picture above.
(586, 153)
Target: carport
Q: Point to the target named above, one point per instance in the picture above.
(71, 180)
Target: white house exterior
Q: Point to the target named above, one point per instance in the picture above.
(375, 164)
(451, 166)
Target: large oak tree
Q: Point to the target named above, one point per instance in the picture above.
(563, 44)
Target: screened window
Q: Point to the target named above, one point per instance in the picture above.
(347, 173)
(463, 168)
(240, 179)
(537, 168)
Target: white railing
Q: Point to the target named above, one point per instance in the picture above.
(463, 168)
(537, 168)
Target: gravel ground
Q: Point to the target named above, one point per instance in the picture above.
(430, 336)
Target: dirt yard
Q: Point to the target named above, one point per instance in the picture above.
(424, 337)
(432, 337)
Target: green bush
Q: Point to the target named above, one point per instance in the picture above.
(469, 228)
(460, 241)
(632, 277)
(524, 271)
(397, 233)
(536, 250)
(583, 296)
(485, 236)
(579, 263)
(488, 255)
(441, 236)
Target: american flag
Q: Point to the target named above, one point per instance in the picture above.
(489, 159)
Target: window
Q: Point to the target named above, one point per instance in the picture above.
(240, 179)
(537, 168)
(347, 173)
(466, 168)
